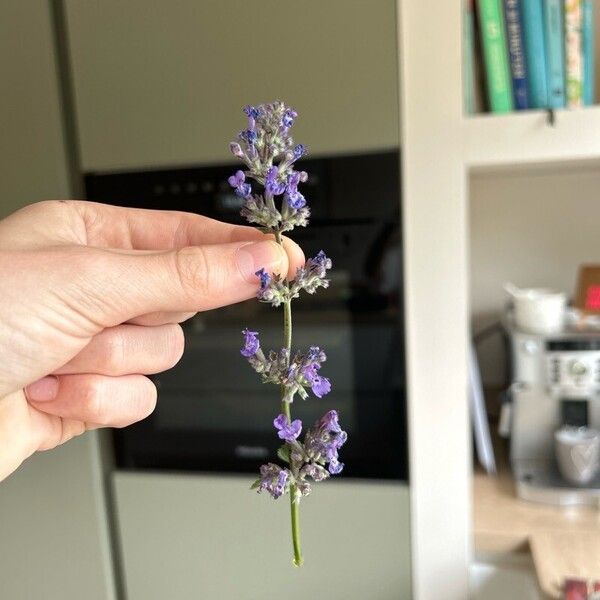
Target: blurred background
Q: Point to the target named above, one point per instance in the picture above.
(134, 103)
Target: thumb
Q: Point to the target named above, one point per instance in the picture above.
(194, 278)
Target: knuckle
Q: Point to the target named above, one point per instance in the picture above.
(193, 271)
(82, 291)
(94, 400)
(115, 351)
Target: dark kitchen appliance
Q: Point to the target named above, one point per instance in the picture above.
(213, 413)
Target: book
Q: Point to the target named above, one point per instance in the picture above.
(587, 32)
(532, 19)
(493, 37)
(573, 53)
(516, 53)
(555, 59)
(469, 58)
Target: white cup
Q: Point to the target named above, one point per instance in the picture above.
(577, 453)
(539, 310)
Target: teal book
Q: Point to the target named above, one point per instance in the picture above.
(555, 52)
(532, 12)
(469, 58)
(495, 54)
(587, 34)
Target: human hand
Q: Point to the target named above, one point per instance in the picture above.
(91, 297)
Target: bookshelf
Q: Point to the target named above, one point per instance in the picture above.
(442, 150)
(526, 139)
(527, 54)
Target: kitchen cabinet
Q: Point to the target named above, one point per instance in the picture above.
(162, 83)
(55, 540)
(200, 536)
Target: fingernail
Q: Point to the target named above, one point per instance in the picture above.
(251, 257)
(43, 390)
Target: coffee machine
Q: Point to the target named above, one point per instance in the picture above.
(555, 382)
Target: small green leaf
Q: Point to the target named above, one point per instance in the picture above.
(255, 485)
(284, 453)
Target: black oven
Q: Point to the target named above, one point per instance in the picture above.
(213, 413)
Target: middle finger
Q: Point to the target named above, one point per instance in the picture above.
(127, 349)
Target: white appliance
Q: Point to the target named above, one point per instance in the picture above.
(555, 382)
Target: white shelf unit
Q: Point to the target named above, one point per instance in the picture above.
(442, 148)
(524, 139)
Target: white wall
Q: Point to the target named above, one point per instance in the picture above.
(162, 83)
(531, 229)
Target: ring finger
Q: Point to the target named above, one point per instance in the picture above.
(103, 401)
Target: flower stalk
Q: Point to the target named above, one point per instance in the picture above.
(285, 409)
(269, 154)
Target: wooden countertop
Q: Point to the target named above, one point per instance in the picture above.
(564, 541)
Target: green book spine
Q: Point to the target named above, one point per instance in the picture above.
(495, 53)
(468, 59)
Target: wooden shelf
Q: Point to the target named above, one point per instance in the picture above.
(524, 140)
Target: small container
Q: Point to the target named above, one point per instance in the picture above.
(538, 310)
(577, 453)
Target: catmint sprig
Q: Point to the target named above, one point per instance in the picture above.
(277, 205)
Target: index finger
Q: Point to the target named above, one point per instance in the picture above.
(143, 229)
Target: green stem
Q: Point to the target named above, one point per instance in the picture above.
(285, 408)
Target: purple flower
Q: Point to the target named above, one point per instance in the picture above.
(237, 182)
(287, 431)
(319, 385)
(273, 479)
(251, 112)
(335, 467)
(321, 263)
(313, 274)
(269, 153)
(330, 422)
(288, 118)
(249, 135)
(293, 197)
(316, 472)
(323, 441)
(273, 186)
(236, 150)
(251, 343)
(315, 354)
(265, 278)
(299, 151)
